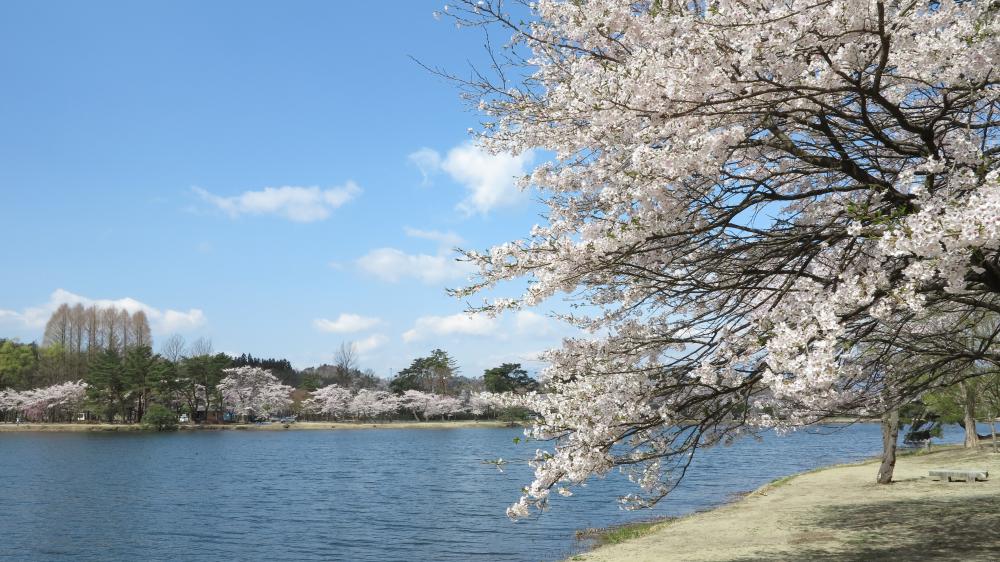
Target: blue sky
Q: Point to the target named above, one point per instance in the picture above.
(278, 177)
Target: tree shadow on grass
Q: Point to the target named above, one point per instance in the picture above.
(919, 529)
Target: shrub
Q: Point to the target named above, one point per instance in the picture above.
(159, 418)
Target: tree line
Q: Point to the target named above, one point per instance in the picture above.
(100, 364)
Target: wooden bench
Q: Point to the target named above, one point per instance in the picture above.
(968, 475)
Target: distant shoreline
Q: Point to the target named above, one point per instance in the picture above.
(297, 426)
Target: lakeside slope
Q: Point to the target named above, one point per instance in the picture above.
(839, 513)
(78, 427)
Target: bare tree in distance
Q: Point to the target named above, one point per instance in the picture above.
(174, 348)
(141, 335)
(346, 359)
(57, 328)
(200, 346)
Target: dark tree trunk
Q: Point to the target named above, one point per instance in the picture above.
(969, 394)
(890, 435)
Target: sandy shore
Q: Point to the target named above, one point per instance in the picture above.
(840, 513)
(10, 427)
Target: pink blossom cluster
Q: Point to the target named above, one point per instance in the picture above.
(254, 391)
(343, 403)
(45, 403)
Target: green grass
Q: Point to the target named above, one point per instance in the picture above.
(621, 533)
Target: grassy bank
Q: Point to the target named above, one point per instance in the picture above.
(102, 427)
(838, 513)
(617, 534)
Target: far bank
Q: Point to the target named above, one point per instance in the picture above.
(298, 426)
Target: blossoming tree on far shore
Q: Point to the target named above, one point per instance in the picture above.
(253, 391)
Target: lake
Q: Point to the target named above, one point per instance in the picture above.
(338, 495)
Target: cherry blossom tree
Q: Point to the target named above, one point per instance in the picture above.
(429, 405)
(48, 403)
(332, 400)
(763, 208)
(340, 403)
(388, 405)
(443, 406)
(483, 402)
(370, 404)
(9, 400)
(416, 402)
(253, 391)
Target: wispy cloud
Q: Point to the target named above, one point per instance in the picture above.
(490, 179)
(299, 204)
(346, 323)
(463, 324)
(428, 161)
(447, 239)
(531, 323)
(393, 265)
(370, 343)
(162, 321)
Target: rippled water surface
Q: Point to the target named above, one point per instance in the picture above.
(336, 495)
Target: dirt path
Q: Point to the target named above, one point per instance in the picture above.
(841, 514)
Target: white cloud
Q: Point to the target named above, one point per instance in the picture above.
(392, 265)
(170, 321)
(299, 204)
(161, 321)
(428, 161)
(446, 239)
(531, 323)
(346, 323)
(370, 343)
(464, 324)
(532, 356)
(490, 178)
